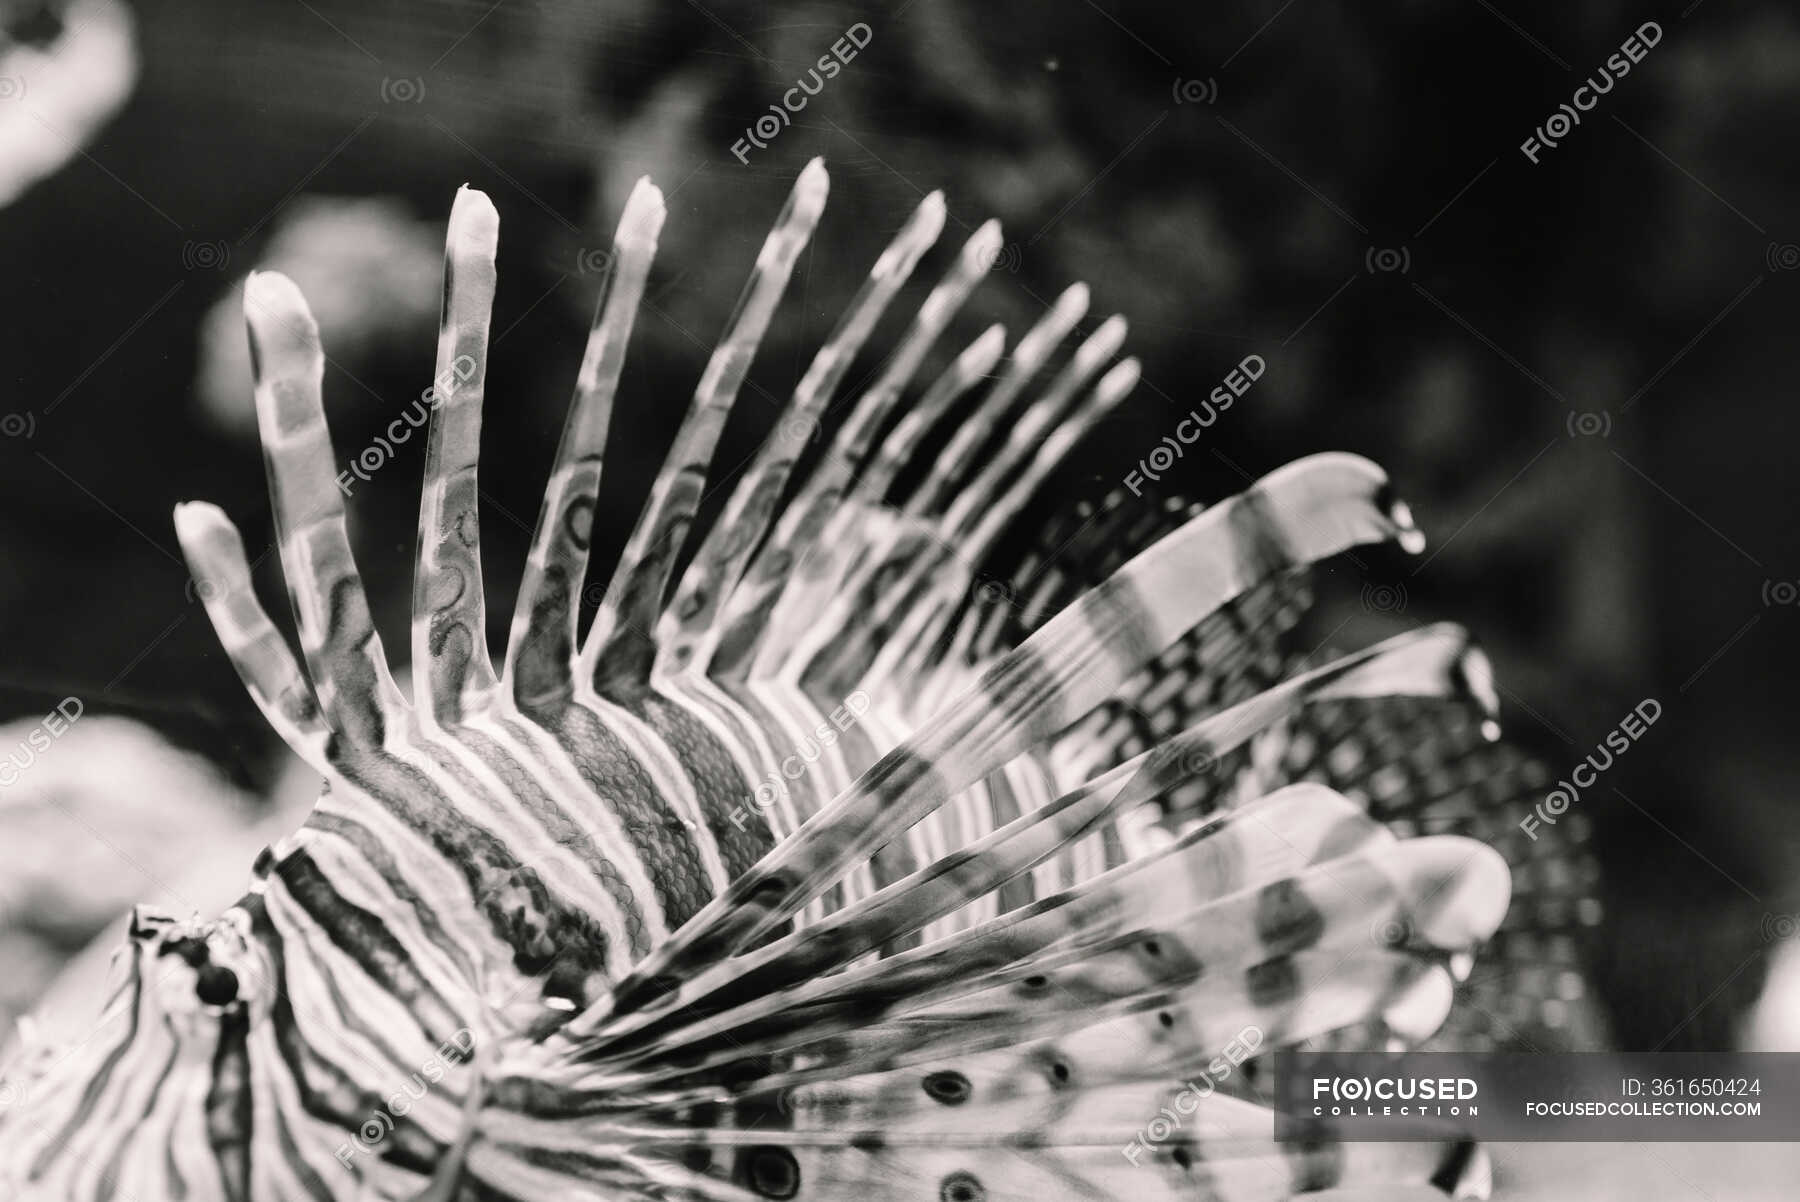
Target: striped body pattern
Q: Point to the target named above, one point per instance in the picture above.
(819, 868)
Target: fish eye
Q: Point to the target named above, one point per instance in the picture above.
(217, 985)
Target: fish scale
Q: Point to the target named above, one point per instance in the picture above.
(947, 962)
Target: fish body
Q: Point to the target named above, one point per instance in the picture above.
(816, 869)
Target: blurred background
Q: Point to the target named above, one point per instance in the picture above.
(1574, 361)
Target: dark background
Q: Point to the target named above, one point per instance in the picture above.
(1579, 372)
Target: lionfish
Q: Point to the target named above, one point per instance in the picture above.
(855, 860)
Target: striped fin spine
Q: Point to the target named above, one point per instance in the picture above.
(728, 546)
(543, 629)
(796, 540)
(618, 646)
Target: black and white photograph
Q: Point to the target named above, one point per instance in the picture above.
(926, 601)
